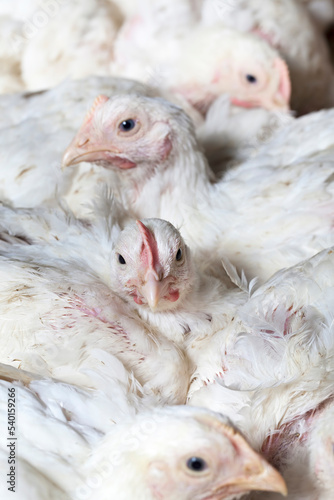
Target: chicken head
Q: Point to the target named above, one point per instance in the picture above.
(152, 265)
(125, 132)
(189, 453)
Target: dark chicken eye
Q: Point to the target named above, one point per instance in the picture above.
(251, 78)
(196, 464)
(127, 125)
(179, 254)
(121, 259)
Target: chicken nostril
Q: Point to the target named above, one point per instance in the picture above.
(83, 142)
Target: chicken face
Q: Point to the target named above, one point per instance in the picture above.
(238, 64)
(152, 265)
(249, 85)
(207, 459)
(125, 132)
(258, 88)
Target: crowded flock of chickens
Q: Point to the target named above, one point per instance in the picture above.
(167, 249)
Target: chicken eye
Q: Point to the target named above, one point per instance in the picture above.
(121, 259)
(196, 464)
(127, 125)
(251, 78)
(179, 254)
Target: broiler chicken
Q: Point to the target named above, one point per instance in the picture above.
(62, 307)
(203, 63)
(66, 452)
(289, 28)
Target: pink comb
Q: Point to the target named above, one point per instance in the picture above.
(149, 253)
(100, 99)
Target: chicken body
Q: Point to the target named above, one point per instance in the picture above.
(61, 316)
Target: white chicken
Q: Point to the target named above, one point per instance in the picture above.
(284, 24)
(152, 270)
(227, 333)
(203, 63)
(65, 308)
(280, 200)
(288, 27)
(70, 448)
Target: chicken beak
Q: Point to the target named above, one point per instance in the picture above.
(257, 475)
(261, 476)
(82, 149)
(153, 289)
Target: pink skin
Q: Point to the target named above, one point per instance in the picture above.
(152, 287)
(276, 446)
(80, 304)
